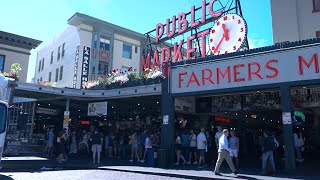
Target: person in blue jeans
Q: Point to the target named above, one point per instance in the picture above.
(268, 146)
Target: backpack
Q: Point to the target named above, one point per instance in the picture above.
(269, 145)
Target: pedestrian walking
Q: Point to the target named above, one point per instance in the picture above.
(193, 148)
(202, 147)
(73, 143)
(268, 146)
(209, 152)
(224, 153)
(135, 147)
(298, 145)
(178, 150)
(234, 147)
(96, 141)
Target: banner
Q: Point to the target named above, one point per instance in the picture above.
(85, 65)
(75, 70)
(48, 111)
(97, 109)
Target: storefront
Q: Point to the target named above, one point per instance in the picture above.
(278, 84)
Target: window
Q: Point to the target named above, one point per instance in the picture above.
(127, 51)
(51, 60)
(58, 57)
(2, 57)
(316, 6)
(135, 49)
(40, 79)
(93, 70)
(63, 49)
(42, 64)
(103, 68)
(57, 75)
(104, 43)
(49, 79)
(318, 34)
(61, 72)
(95, 41)
(39, 69)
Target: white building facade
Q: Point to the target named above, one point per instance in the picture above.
(86, 49)
(294, 20)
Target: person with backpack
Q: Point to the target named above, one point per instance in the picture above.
(268, 146)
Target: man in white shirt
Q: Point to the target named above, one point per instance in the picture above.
(201, 146)
(224, 153)
(218, 135)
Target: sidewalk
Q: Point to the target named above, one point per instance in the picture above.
(189, 172)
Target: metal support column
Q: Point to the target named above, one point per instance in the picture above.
(287, 129)
(168, 122)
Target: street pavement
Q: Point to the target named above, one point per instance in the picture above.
(80, 175)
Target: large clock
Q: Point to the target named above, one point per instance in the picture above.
(227, 34)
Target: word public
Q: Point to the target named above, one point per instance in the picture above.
(178, 26)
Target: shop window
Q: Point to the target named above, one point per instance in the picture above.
(318, 34)
(2, 60)
(61, 73)
(51, 60)
(50, 74)
(58, 57)
(316, 6)
(57, 75)
(127, 51)
(104, 43)
(63, 49)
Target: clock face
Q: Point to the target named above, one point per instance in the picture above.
(227, 34)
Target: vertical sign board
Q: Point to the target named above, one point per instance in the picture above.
(75, 70)
(85, 65)
(66, 120)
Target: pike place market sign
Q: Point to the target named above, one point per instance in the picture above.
(276, 67)
(227, 35)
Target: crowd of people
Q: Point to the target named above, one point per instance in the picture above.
(133, 146)
(191, 147)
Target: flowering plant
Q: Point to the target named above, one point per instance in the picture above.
(46, 83)
(10, 75)
(90, 84)
(153, 73)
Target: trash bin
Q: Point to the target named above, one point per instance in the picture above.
(162, 158)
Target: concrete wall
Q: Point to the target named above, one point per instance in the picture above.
(70, 36)
(293, 20)
(118, 60)
(16, 55)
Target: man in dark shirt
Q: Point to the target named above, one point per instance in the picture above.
(96, 141)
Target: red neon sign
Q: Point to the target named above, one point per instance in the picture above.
(222, 120)
(85, 122)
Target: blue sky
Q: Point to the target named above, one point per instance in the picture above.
(44, 19)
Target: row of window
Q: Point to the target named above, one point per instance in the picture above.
(58, 77)
(41, 62)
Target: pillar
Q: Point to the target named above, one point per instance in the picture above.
(287, 129)
(168, 122)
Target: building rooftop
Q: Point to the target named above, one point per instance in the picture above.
(18, 41)
(79, 18)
